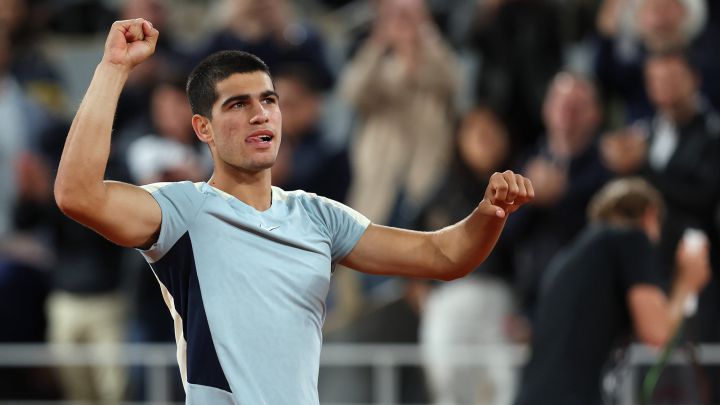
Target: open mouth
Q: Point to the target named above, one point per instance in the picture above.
(260, 137)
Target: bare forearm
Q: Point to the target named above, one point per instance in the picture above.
(468, 243)
(85, 155)
(451, 252)
(676, 305)
(656, 317)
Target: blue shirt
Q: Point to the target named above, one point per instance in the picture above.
(247, 289)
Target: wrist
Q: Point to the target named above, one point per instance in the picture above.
(107, 68)
(684, 288)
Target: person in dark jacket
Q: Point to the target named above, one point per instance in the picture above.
(603, 287)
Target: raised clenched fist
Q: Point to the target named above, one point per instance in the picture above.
(129, 43)
(505, 193)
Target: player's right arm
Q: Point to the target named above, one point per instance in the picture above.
(123, 213)
(656, 316)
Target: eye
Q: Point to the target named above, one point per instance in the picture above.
(269, 100)
(238, 105)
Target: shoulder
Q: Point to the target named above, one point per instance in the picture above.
(608, 240)
(623, 234)
(301, 198)
(181, 195)
(712, 123)
(318, 207)
(172, 187)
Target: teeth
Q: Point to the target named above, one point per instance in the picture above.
(265, 138)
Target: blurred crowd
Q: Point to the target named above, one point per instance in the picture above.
(401, 109)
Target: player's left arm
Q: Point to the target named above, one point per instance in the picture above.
(448, 253)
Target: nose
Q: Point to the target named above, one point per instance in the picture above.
(260, 114)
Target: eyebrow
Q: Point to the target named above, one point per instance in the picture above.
(246, 97)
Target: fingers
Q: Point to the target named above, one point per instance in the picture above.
(529, 188)
(513, 189)
(526, 191)
(134, 32)
(130, 42)
(505, 193)
(136, 29)
(508, 187)
(499, 187)
(150, 33)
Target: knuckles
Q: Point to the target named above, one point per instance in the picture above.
(515, 187)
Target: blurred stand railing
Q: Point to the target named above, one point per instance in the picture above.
(384, 360)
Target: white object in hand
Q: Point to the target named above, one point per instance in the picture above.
(691, 304)
(694, 238)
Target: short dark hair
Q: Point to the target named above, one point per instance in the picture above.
(201, 84)
(680, 53)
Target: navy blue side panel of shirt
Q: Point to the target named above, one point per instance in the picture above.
(176, 270)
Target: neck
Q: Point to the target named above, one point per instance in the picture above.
(560, 147)
(252, 188)
(681, 114)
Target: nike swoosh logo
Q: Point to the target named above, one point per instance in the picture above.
(272, 228)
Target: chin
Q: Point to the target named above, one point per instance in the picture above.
(261, 165)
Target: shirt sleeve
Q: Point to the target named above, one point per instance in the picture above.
(638, 259)
(179, 203)
(345, 226)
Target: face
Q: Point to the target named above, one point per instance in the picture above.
(12, 13)
(403, 18)
(245, 130)
(571, 111)
(152, 10)
(483, 142)
(670, 83)
(660, 23)
(300, 106)
(171, 113)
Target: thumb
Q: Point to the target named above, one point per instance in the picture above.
(488, 208)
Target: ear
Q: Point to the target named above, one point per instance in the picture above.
(202, 127)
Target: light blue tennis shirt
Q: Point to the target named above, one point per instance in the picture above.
(247, 289)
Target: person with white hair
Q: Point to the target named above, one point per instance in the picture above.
(629, 30)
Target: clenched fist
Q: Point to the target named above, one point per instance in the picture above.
(129, 43)
(505, 193)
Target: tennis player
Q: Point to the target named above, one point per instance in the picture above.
(245, 267)
(604, 287)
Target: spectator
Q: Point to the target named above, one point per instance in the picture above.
(603, 287)
(172, 152)
(401, 83)
(307, 160)
(23, 286)
(85, 303)
(473, 310)
(24, 22)
(566, 169)
(269, 30)
(170, 59)
(520, 47)
(22, 122)
(677, 150)
(629, 30)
